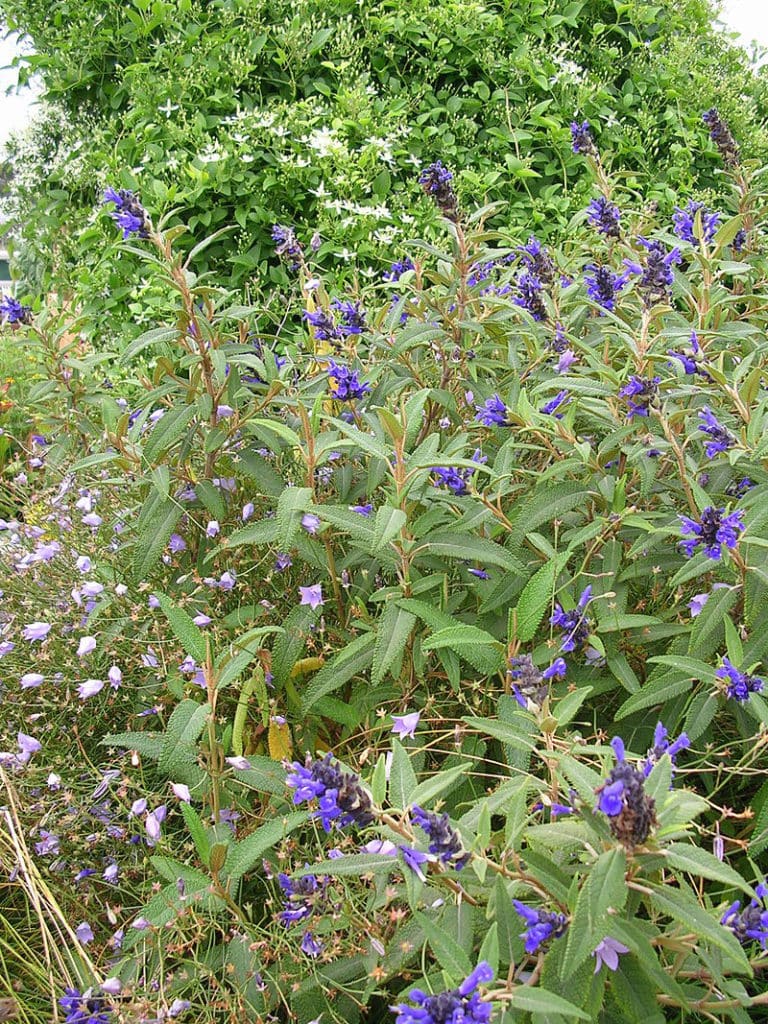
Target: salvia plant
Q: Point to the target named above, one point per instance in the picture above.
(395, 653)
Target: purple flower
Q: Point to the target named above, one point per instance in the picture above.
(460, 1005)
(662, 746)
(84, 1008)
(657, 274)
(444, 841)
(603, 285)
(30, 680)
(529, 684)
(202, 619)
(86, 646)
(529, 295)
(696, 604)
(286, 242)
(715, 530)
(581, 138)
(493, 412)
(313, 595)
(340, 795)
(181, 792)
(542, 925)
(346, 386)
(574, 625)
(12, 312)
(684, 222)
(352, 317)
(750, 924)
(310, 945)
(115, 677)
(36, 631)
(641, 393)
(605, 216)
(740, 684)
(248, 509)
(721, 135)
(298, 905)
(457, 480)
(621, 797)
(362, 510)
(405, 725)
(84, 933)
(607, 952)
(561, 398)
(324, 325)
(536, 259)
(310, 522)
(213, 529)
(436, 182)
(89, 688)
(282, 561)
(721, 439)
(398, 268)
(129, 214)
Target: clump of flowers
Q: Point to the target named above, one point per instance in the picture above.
(457, 480)
(574, 624)
(631, 812)
(740, 684)
(536, 259)
(84, 1008)
(444, 841)
(530, 684)
(581, 138)
(346, 386)
(684, 222)
(287, 244)
(641, 394)
(715, 531)
(461, 1005)
(129, 214)
(340, 795)
(657, 275)
(323, 323)
(603, 285)
(12, 312)
(720, 438)
(605, 216)
(543, 925)
(722, 137)
(750, 924)
(493, 412)
(662, 746)
(692, 357)
(298, 893)
(436, 182)
(352, 317)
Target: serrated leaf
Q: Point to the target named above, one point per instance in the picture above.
(186, 632)
(352, 864)
(703, 864)
(536, 598)
(470, 548)
(292, 505)
(659, 691)
(537, 1000)
(350, 661)
(438, 784)
(392, 632)
(290, 643)
(475, 645)
(154, 532)
(264, 532)
(449, 954)
(153, 337)
(402, 778)
(604, 888)
(148, 744)
(245, 855)
(197, 831)
(685, 910)
(388, 524)
(167, 431)
(179, 744)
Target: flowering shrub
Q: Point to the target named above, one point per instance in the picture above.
(386, 663)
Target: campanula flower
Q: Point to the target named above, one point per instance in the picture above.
(312, 596)
(405, 725)
(607, 952)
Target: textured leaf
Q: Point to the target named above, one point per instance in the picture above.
(467, 547)
(392, 632)
(186, 632)
(350, 661)
(475, 645)
(247, 854)
(402, 778)
(154, 531)
(292, 504)
(604, 888)
(703, 864)
(388, 524)
(537, 1000)
(536, 598)
(449, 954)
(684, 909)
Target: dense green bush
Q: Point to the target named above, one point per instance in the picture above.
(505, 504)
(243, 113)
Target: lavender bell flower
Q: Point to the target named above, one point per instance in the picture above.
(312, 596)
(405, 725)
(607, 952)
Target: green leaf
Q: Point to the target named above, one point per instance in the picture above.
(167, 431)
(402, 778)
(355, 864)
(537, 597)
(475, 645)
(388, 524)
(567, 708)
(437, 784)
(157, 521)
(703, 864)
(261, 533)
(537, 1000)
(179, 745)
(153, 337)
(392, 632)
(350, 661)
(684, 909)
(292, 504)
(468, 547)
(148, 744)
(290, 643)
(658, 691)
(604, 889)
(245, 855)
(186, 632)
(449, 954)
(197, 831)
